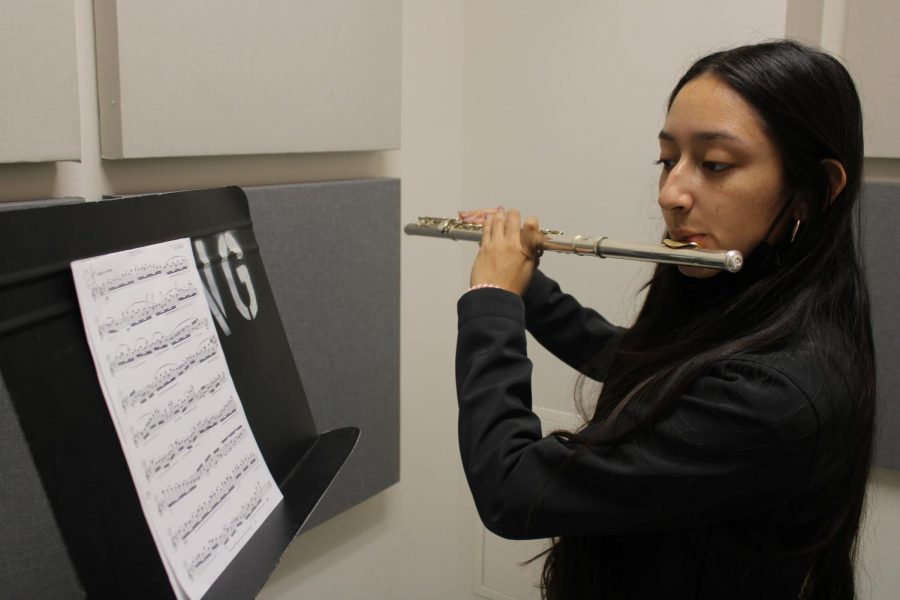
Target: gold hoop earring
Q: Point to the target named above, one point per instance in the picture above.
(794, 232)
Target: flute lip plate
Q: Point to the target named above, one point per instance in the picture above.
(681, 245)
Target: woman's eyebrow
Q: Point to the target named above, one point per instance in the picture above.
(704, 136)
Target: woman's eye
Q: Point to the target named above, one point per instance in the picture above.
(667, 163)
(716, 167)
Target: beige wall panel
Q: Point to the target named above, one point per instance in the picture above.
(272, 76)
(39, 120)
(803, 21)
(871, 48)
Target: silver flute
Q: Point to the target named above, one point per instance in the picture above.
(669, 252)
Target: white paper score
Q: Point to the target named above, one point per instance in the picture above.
(201, 479)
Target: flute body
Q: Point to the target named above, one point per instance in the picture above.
(670, 252)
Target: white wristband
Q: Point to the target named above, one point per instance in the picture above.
(484, 285)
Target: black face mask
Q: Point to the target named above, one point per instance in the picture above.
(763, 259)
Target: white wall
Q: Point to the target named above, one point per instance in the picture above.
(412, 541)
(549, 106)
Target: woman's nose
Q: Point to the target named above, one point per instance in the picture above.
(675, 189)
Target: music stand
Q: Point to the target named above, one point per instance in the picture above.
(47, 368)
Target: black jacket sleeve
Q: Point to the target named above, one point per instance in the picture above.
(572, 333)
(740, 440)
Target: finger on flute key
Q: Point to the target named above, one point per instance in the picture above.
(477, 217)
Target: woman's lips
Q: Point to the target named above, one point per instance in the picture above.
(697, 238)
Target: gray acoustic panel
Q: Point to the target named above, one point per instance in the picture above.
(882, 248)
(332, 254)
(33, 558)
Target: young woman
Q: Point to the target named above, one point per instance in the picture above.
(728, 452)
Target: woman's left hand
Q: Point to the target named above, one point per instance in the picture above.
(509, 252)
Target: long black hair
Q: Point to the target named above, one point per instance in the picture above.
(810, 109)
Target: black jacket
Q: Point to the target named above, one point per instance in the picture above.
(709, 504)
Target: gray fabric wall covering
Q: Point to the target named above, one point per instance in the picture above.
(882, 248)
(332, 254)
(33, 558)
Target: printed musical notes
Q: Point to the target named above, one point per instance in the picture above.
(161, 416)
(122, 278)
(185, 444)
(157, 342)
(213, 500)
(168, 373)
(229, 531)
(200, 477)
(143, 310)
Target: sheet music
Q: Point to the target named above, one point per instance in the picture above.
(199, 474)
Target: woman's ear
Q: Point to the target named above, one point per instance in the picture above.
(837, 177)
